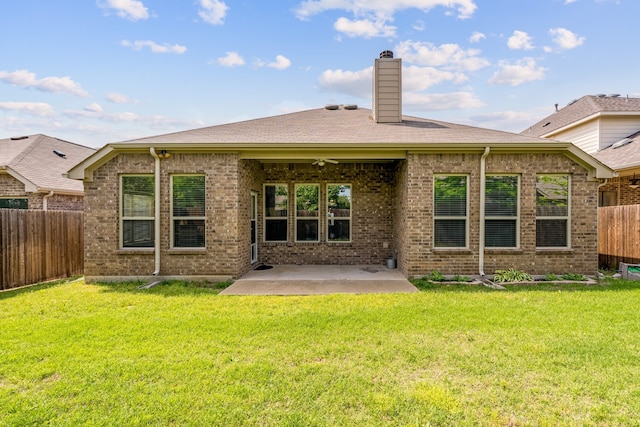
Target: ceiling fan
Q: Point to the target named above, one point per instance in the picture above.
(321, 162)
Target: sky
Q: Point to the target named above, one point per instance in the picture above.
(100, 71)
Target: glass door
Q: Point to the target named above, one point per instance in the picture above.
(254, 227)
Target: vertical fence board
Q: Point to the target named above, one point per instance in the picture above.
(36, 246)
(618, 235)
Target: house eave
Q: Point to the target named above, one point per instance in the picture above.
(347, 151)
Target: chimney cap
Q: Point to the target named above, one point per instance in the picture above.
(386, 54)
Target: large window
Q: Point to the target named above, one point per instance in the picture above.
(307, 207)
(188, 211)
(552, 210)
(137, 210)
(501, 211)
(275, 212)
(450, 197)
(338, 212)
(14, 203)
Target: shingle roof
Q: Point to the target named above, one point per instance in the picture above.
(351, 134)
(33, 158)
(623, 156)
(581, 109)
(323, 126)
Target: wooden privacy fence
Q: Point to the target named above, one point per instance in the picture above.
(36, 246)
(618, 235)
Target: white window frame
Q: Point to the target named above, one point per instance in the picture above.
(124, 218)
(445, 217)
(349, 218)
(266, 218)
(566, 217)
(306, 218)
(174, 218)
(504, 217)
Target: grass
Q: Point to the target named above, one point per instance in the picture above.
(178, 354)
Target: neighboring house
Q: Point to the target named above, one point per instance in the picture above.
(607, 127)
(340, 185)
(31, 173)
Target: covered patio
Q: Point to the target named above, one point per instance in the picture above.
(320, 280)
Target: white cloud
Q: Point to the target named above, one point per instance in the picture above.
(213, 11)
(364, 28)
(476, 37)
(448, 56)
(565, 39)
(39, 109)
(355, 83)
(231, 59)
(27, 79)
(93, 107)
(280, 63)
(520, 41)
(154, 47)
(421, 78)
(522, 71)
(133, 10)
(117, 98)
(382, 8)
(509, 121)
(569, 1)
(440, 101)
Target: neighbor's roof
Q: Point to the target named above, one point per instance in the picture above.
(586, 107)
(336, 133)
(622, 155)
(32, 161)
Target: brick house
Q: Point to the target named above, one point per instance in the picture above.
(608, 128)
(31, 173)
(339, 185)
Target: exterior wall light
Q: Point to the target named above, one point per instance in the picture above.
(164, 154)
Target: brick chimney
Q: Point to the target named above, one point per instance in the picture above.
(387, 89)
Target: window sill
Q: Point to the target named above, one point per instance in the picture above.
(186, 251)
(452, 251)
(504, 251)
(135, 251)
(548, 251)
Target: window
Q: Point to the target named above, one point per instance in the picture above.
(608, 198)
(501, 211)
(188, 211)
(450, 196)
(552, 211)
(307, 219)
(14, 203)
(137, 211)
(338, 212)
(275, 212)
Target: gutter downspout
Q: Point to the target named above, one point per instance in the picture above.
(483, 179)
(156, 245)
(45, 204)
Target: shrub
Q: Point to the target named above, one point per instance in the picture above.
(511, 275)
(436, 276)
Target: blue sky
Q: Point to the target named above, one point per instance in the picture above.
(99, 71)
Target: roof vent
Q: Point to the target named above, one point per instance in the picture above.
(18, 138)
(386, 54)
(331, 107)
(59, 154)
(351, 107)
(601, 95)
(614, 95)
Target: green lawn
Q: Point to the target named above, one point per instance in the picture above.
(76, 354)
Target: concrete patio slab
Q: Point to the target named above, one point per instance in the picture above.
(319, 280)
